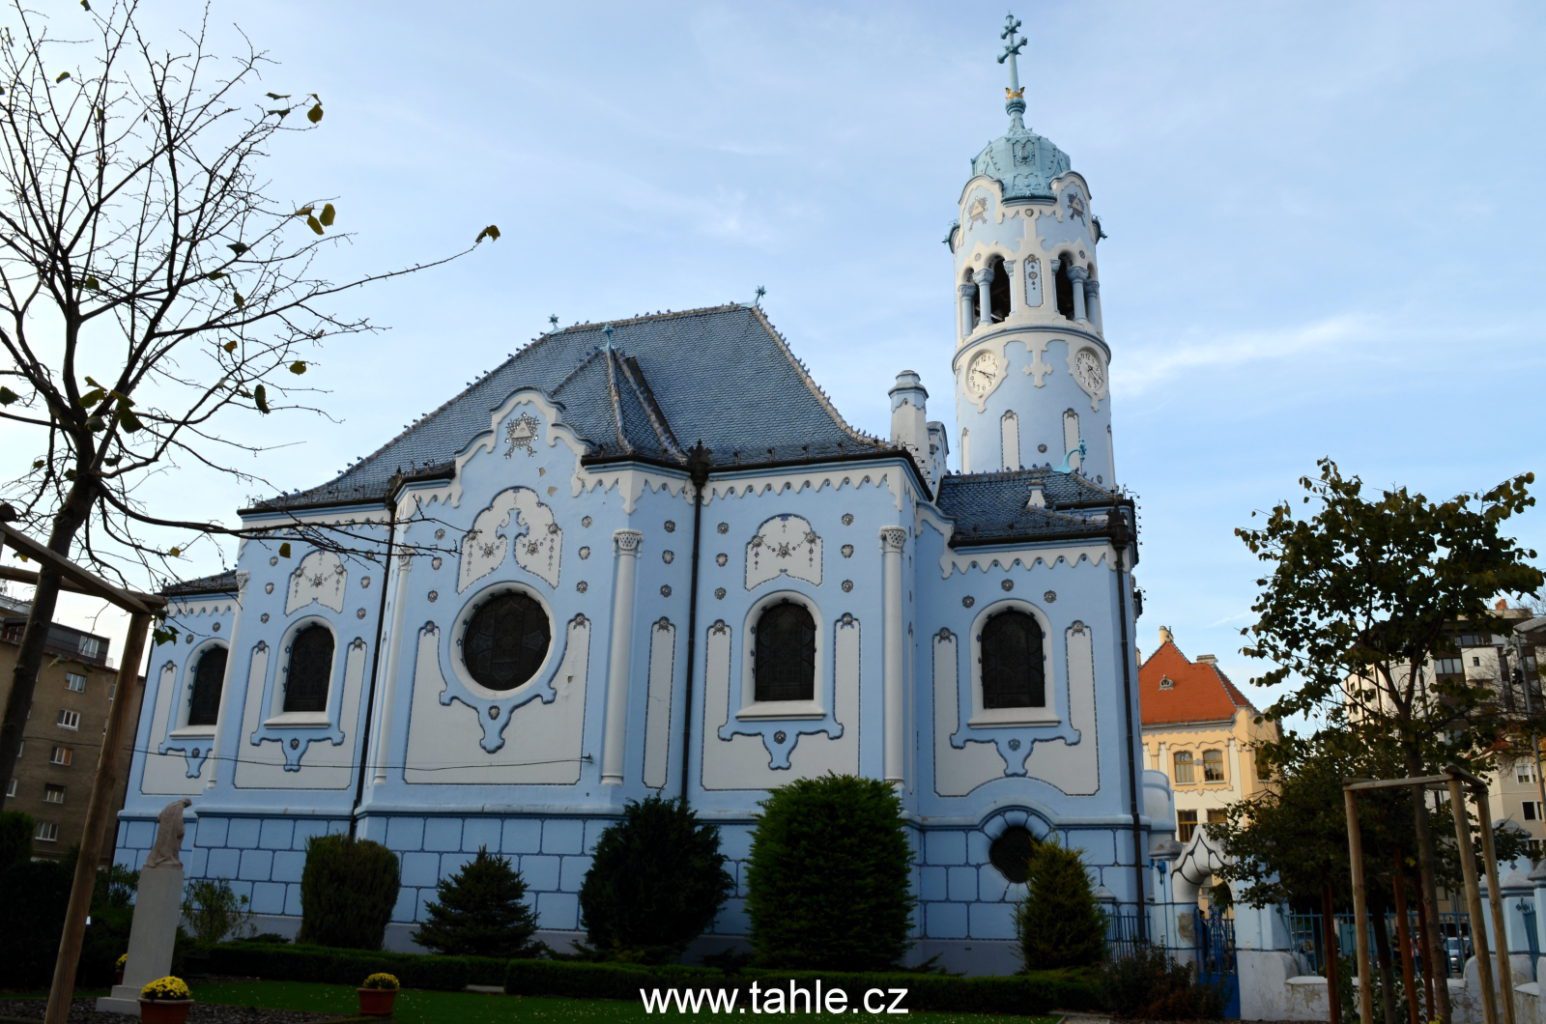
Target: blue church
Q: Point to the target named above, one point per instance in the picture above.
(650, 557)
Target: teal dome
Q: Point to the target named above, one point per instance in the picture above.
(1022, 162)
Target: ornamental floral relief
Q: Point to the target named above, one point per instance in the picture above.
(785, 545)
(535, 535)
(321, 578)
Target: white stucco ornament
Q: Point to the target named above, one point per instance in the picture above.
(537, 537)
(783, 546)
(321, 577)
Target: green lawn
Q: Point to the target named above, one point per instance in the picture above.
(419, 1007)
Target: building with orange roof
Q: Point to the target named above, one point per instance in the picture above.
(1201, 731)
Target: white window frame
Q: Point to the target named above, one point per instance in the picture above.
(69, 719)
(89, 646)
(182, 730)
(47, 832)
(10, 788)
(751, 707)
(50, 790)
(70, 679)
(278, 717)
(1049, 713)
(66, 760)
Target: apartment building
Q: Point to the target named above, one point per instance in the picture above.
(1201, 731)
(63, 739)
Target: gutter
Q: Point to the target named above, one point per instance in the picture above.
(375, 675)
(698, 466)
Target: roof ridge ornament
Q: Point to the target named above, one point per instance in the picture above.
(1014, 95)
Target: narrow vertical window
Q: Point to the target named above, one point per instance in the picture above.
(1064, 286)
(998, 290)
(784, 657)
(310, 668)
(208, 679)
(1213, 766)
(1013, 669)
(1183, 768)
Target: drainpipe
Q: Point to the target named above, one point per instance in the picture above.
(375, 667)
(1121, 536)
(698, 470)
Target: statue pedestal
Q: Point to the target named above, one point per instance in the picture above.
(158, 908)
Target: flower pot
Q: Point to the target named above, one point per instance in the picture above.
(164, 1011)
(376, 1002)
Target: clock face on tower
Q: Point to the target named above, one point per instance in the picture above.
(982, 373)
(1088, 371)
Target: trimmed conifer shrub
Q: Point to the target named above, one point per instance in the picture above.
(479, 911)
(655, 884)
(1060, 923)
(828, 876)
(348, 888)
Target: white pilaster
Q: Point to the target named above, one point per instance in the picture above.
(892, 540)
(224, 722)
(626, 543)
(392, 659)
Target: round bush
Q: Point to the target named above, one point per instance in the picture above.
(655, 884)
(828, 876)
(348, 888)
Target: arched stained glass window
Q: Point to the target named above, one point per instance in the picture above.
(785, 653)
(1013, 666)
(208, 678)
(310, 669)
(506, 640)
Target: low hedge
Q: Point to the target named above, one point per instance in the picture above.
(1034, 993)
(276, 962)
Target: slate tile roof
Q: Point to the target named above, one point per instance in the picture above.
(1199, 690)
(219, 583)
(654, 386)
(993, 508)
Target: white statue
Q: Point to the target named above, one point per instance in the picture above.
(169, 835)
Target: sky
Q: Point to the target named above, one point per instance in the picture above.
(1324, 224)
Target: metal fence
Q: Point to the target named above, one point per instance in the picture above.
(1309, 940)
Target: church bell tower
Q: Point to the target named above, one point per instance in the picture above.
(1031, 361)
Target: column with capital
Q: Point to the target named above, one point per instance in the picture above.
(1092, 302)
(626, 543)
(894, 637)
(984, 279)
(968, 321)
(1077, 275)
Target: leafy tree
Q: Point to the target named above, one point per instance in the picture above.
(1059, 923)
(1362, 595)
(152, 295)
(656, 881)
(481, 911)
(828, 876)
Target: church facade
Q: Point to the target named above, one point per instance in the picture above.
(650, 557)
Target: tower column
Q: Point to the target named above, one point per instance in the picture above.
(613, 744)
(1092, 303)
(1078, 275)
(968, 322)
(892, 540)
(984, 279)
